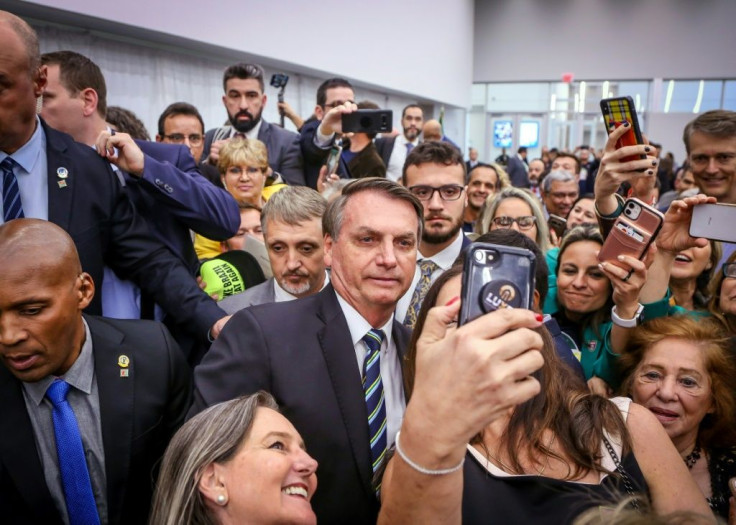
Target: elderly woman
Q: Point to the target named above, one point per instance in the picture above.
(519, 439)
(518, 209)
(243, 167)
(236, 462)
(680, 369)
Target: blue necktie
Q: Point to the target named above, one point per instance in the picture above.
(409, 147)
(374, 399)
(12, 207)
(80, 500)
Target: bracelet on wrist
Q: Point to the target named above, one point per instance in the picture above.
(616, 213)
(422, 470)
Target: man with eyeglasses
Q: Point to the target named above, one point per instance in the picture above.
(482, 181)
(435, 173)
(244, 100)
(181, 123)
(710, 142)
(335, 96)
(559, 191)
(161, 179)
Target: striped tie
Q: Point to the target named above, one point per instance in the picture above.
(374, 400)
(426, 267)
(12, 208)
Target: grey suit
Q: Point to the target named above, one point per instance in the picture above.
(260, 294)
(284, 152)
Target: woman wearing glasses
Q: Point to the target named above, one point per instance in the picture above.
(722, 304)
(518, 209)
(243, 166)
(681, 369)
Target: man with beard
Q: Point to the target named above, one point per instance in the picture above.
(244, 100)
(292, 228)
(394, 150)
(435, 173)
(536, 170)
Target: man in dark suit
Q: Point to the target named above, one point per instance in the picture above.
(518, 170)
(291, 223)
(335, 96)
(69, 184)
(394, 150)
(126, 385)
(244, 100)
(310, 353)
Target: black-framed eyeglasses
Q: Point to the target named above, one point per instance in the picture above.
(448, 192)
(195, 139)
(729, 270)
(525, 222)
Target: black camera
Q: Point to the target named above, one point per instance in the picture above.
(279, 80)
(368, 121)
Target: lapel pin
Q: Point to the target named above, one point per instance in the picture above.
(62, 173)
(124, 372)
(123, 361)
(61, 183)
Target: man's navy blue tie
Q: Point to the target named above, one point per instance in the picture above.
(374, 399)
(80, 500)
(12, 207)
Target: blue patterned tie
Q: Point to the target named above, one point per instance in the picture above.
(374, 399)
(409, 147)
(426, 267)
(12, 207)
(80, 500)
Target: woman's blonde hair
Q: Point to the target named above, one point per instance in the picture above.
(488, 212)
(246, 152)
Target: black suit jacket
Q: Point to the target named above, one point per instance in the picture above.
(139, 413)
(309, 366)
(314, 156)
(517, 172)
(97, 213)
(385, 146)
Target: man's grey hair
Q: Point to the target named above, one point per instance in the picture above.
(293, 205)
(335, 214)
(556, 176)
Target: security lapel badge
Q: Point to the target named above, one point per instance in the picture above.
(124, 363)
(62, 173)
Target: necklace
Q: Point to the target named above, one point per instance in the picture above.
(692, 458)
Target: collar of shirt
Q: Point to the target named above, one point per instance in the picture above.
(79, 376)
(28, 154)
(401, 139)
(358, 326)
(280, 295)
(252, 134)
(446, 257)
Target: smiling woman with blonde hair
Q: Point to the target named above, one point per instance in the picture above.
(240, 461)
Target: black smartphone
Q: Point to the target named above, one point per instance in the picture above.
(557, 224)
(494, 277)
(616, 111)
(333, 159)
(368, 121)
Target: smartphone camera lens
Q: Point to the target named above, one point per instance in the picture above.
(480, 257)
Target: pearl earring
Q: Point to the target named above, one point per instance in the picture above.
(221, 499)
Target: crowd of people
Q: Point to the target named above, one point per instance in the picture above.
(214, 327)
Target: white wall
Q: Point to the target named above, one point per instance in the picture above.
(525, 40)
(383, 42)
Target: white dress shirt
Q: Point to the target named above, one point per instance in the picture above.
(391, 377)
(398, 157)
(443, 259)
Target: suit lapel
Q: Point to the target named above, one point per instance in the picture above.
(19, 454)
(116, 392)
(60, 189)
(401, 336)
(339, 355)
